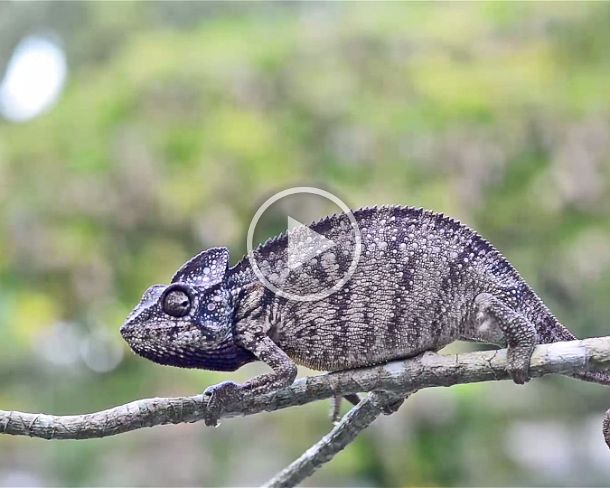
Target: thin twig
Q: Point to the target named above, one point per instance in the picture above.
(323, 451)
(401, 376)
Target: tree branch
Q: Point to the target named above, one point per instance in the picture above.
(354, 422)
(402, 377)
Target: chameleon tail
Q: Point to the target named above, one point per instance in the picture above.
(607, 427)
(556, 332)
(599, 377)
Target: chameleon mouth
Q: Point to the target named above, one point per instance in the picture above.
(133, 337)
(127, 332)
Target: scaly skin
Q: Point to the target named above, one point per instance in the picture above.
(423, 281)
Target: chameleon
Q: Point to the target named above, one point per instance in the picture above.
(423, 281)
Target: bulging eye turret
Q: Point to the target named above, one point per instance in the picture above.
(176, 301)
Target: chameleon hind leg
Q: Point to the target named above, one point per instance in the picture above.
(497, 323)
(335, 411)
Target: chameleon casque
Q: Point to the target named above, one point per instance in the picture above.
(423, 280)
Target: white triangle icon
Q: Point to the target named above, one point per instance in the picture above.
(304, 244)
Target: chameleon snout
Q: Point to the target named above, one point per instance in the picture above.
(130, 331)
(126, 331)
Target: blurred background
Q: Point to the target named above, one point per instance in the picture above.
(132, 135)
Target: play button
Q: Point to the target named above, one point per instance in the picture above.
(315, 254)
(304, 244)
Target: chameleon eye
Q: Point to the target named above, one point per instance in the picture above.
(176, 302)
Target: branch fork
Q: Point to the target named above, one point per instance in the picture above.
(389, 383)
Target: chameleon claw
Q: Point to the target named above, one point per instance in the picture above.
(519, 375)
(519, 363)
(219, 396)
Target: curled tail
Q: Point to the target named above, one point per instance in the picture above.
(607, 427)
(550, 330)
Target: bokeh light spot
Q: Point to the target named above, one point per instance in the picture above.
(34, 78)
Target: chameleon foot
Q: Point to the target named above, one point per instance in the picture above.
(519, 363)
(494, 317)
(219, 396)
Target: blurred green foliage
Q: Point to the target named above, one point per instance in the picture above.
(178, 118)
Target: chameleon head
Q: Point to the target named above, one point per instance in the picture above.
(184, 323)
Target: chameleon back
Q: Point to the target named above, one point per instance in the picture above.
(417, 275)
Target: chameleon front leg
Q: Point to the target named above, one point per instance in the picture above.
(520, 334)
(250, 332)
(251, 336)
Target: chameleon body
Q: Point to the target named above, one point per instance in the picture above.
(423, 280)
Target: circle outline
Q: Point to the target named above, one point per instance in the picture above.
(312, 297)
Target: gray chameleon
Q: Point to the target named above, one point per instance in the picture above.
(423, 281)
